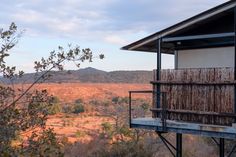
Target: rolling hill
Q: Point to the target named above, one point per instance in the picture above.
(90, 75)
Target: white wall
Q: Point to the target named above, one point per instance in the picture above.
(205, 58)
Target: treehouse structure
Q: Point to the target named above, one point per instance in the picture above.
(198, 96)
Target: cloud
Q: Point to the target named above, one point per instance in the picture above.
(113, 39)
(102, 25)
(91, 20)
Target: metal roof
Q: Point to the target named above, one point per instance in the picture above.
(150, 41)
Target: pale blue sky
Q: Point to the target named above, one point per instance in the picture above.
(103, 25)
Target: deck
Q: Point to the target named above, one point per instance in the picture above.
(188, 101)
(227, 132)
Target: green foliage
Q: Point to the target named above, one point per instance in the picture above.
(115, 99)
(67, 109)
(80, 134)
(78, 108)
(145, 106)
(43, 144)
(106, 126)
(55, 100)
(106, 103)
(26, 109)
(79, 101)
(8, 40)
(120, 100)
(124, 149)
(54, 109)
(125, 131)
(125, 100)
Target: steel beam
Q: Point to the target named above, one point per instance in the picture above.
(208, 45)
(216, 131)
(198, 37)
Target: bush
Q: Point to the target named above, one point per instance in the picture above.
(145, 106)
(120, 100)
(54, 109)
(79, 101)
(124, 149)
(67, 109)
(55, 100)
(106, 126)
(115, 99)
(80, 134)
(78, 108)
(94, 102)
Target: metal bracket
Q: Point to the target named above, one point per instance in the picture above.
(167, 143)
(171, 147)
(221, 144)
(232, 151)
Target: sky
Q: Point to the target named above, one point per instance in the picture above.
(102, 25)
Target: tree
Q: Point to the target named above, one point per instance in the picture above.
(24, 110)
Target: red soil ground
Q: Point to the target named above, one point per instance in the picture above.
(68, 92)
(85, 126)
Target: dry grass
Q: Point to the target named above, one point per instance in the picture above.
(69, 92)
(86, 126)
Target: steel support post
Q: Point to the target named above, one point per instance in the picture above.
(130, 110)
(222, 147)
(235, 61)
(178, 145)
(158, 75)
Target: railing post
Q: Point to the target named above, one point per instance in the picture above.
(164, 107)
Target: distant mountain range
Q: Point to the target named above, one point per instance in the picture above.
(91, 75)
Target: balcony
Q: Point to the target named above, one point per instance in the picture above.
(192, 101)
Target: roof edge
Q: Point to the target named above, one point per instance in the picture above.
(188, 22)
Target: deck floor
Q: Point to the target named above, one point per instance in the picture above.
(217, 131)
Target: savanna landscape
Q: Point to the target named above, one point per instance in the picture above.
(100, 128)
(64, 81)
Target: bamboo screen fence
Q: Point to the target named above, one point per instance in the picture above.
(207, 91)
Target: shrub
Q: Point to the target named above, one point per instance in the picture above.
(115, 99)
(78, 108)
(120, 100)
(94, 102)
(145, 106)
(80, 134)
(124, 149)
(79, 101)
(125, 100)
(106, 103)
(54, 109)
(106, 126)
(55, 100)
(67, 109)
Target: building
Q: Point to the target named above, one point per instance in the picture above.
(198, 96)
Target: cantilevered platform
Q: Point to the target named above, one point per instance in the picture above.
(185, 128)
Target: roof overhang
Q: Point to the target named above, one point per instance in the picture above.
(174, 35)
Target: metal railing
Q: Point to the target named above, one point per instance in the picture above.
(163, 101)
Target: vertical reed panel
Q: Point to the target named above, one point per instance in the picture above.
(203, 98)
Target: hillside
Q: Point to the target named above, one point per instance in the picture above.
(91, 75)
